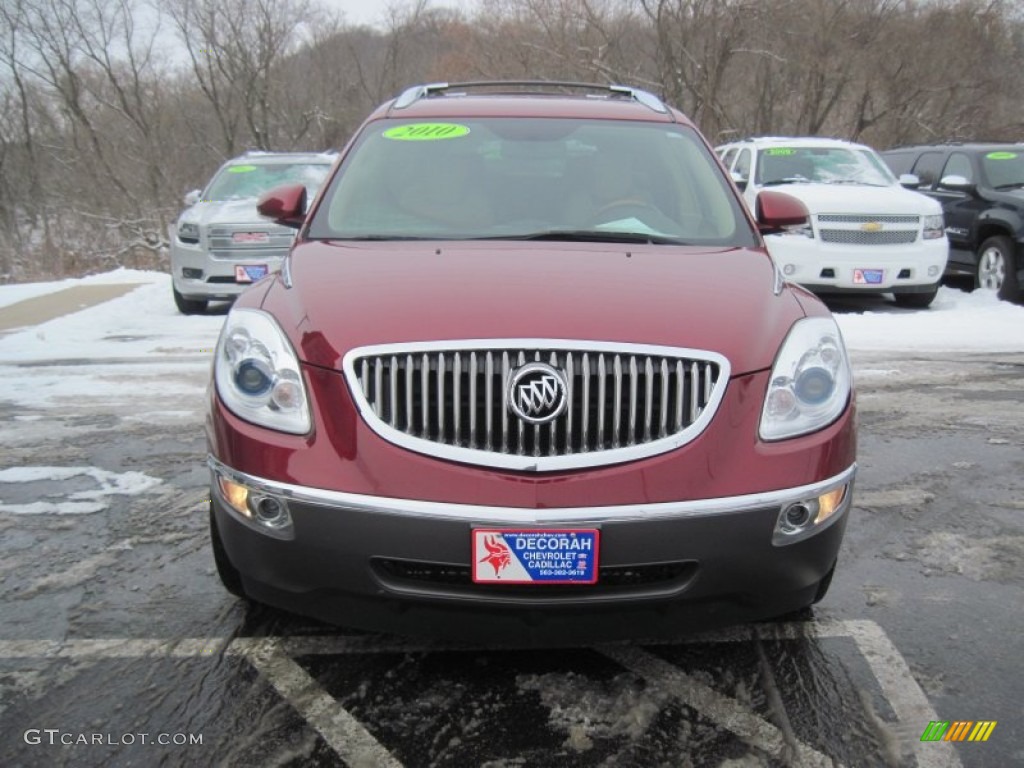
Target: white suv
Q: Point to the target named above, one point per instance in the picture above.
(866, 233)
(220, 244)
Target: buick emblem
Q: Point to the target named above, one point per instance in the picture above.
(537, 393)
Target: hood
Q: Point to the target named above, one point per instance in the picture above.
(860, 199)
(352, 295)
(241, 211)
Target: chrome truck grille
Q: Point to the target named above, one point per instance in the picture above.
(249, 241)
(614, 402)
(867, 229)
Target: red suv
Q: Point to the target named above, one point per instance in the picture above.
(529, 374)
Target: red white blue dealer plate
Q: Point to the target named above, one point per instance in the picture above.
(512, 556)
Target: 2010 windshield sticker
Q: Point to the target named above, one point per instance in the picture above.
(784, 151)
(1001, 156)
(426, 131)
(241, 168)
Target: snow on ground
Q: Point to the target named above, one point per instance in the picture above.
(79, 502)
(957, 321)
(12, 294)
(138, 350)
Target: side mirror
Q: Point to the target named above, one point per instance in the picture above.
(192, 198)
(957, 184)
(777, 211)
(285, 205)
(739, 180)
(910, 181)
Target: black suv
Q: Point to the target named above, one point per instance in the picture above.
(981, 188)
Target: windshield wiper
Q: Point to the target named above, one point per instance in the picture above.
(1014, 185)
(790, 180)
(593, 236)
(852, 181)
(377, 238)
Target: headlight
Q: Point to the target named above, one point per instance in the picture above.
(188, 232)
(810, 383)
(934, 226)
(257, 373)
(805, 230)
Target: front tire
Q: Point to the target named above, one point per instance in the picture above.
(188, 306)
(915, 300)
(229, 575)
(996, 269)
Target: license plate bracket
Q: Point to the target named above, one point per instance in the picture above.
(868, 276)
(249, 273)
(535, 556)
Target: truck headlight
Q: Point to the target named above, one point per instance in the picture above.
(934, 227)
(810, 382)
(257, 373)
(188, 232)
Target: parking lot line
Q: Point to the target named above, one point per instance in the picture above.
(722, 710)
(272, 656)
(345, 735)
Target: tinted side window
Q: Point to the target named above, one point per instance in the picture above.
(898, 162)
(743, 164)
(927, 168)
(959, 164)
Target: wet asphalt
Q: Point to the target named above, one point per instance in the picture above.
(116, 634)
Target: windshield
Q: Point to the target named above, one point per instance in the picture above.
(1004, 168)
(822, 165)
(242, 181)
(531, 178)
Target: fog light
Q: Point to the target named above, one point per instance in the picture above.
(804, 518)
(795, 518)
(933, 271)
(270, 512)
(789, 269)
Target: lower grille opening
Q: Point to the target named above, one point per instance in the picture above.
(610, 578)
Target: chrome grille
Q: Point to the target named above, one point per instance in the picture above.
(857, 237)
(863, 218)
(849, 228)
(450, 399)
(222, 245)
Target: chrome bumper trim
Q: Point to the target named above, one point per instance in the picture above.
(520, 515)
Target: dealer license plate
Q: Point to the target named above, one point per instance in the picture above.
(514, 556)
(247, 273)
(868, 276)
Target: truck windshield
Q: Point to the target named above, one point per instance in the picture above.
(822, 165)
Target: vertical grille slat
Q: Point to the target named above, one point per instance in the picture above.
(617, 405)
(457, 397)
(520, 424)
(663, 411)
(602, 377)
(613, 399)
(472, 400)
(648, 398)
(585, 413)
(425, 398)
(633, 383)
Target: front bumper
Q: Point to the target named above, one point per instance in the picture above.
(821, 267)
(198, 276)
(403, 566)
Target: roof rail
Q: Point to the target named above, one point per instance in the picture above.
(410, 96)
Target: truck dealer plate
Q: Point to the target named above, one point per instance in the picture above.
(537, 556)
